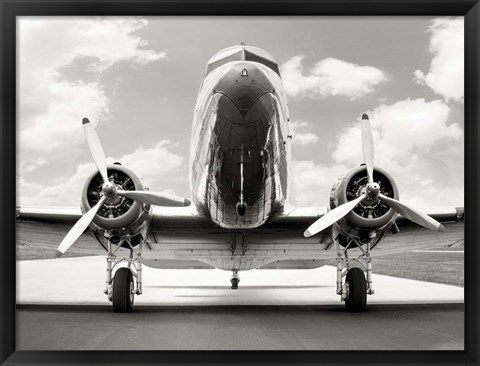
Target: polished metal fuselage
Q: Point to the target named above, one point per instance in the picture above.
(240, 146)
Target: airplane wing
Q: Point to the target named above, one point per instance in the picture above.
(182, 233)
(183, 238)
(39, 231)
(178, 234)
(66, 215)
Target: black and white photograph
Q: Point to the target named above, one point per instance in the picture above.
(240, 183)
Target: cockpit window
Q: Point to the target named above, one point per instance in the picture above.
(249, 56)
(242, 53)
(222, 61)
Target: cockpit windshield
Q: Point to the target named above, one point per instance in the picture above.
(242, 53)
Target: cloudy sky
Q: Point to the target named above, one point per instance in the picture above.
(137, 80)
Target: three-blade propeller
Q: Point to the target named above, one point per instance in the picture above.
(372, 191)
(109, 190)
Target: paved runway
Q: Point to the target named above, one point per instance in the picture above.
(81, 281)
(62, 306)
(382, 327)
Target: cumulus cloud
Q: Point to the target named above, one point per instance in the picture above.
(312, 183)
(401, 131)
(301, 133)
(30, 166)
(329, 77)
(157, 166)
(413, 141)
(50, 105)
(446, 73)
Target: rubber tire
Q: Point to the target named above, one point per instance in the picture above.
(357, 291)
(121, 299)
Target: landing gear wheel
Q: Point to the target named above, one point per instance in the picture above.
(234, 282)
(123, 291)
(356, 287)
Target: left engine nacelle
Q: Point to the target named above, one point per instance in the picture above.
(119, 218)
(371, 214)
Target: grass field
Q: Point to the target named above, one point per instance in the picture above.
(445, 268)
(40, 241)
(28, 252)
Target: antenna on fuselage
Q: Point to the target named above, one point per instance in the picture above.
(243, 44)
(241, 205)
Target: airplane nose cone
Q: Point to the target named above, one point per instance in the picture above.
(244, 84)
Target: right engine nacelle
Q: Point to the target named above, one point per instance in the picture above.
(119, 218)
(371, 214)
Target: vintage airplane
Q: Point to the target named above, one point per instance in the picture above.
(239, 218)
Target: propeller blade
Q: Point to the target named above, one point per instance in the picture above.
(79, 228)
(155, 198)
(96, 148)
(332, 216)
(367, 146)
(413, 215)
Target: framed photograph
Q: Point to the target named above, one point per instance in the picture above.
(241, 182)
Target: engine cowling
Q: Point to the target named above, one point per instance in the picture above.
(119, 218)
(371, 214)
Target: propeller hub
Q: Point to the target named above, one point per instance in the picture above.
(373, 189)
(109, 189)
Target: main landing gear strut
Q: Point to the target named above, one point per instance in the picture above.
(356, 286)
(127, 282)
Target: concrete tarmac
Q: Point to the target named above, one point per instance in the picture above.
(61, 306)
(381, 327)
(81, 281)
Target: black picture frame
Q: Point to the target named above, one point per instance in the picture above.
(470, 9)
